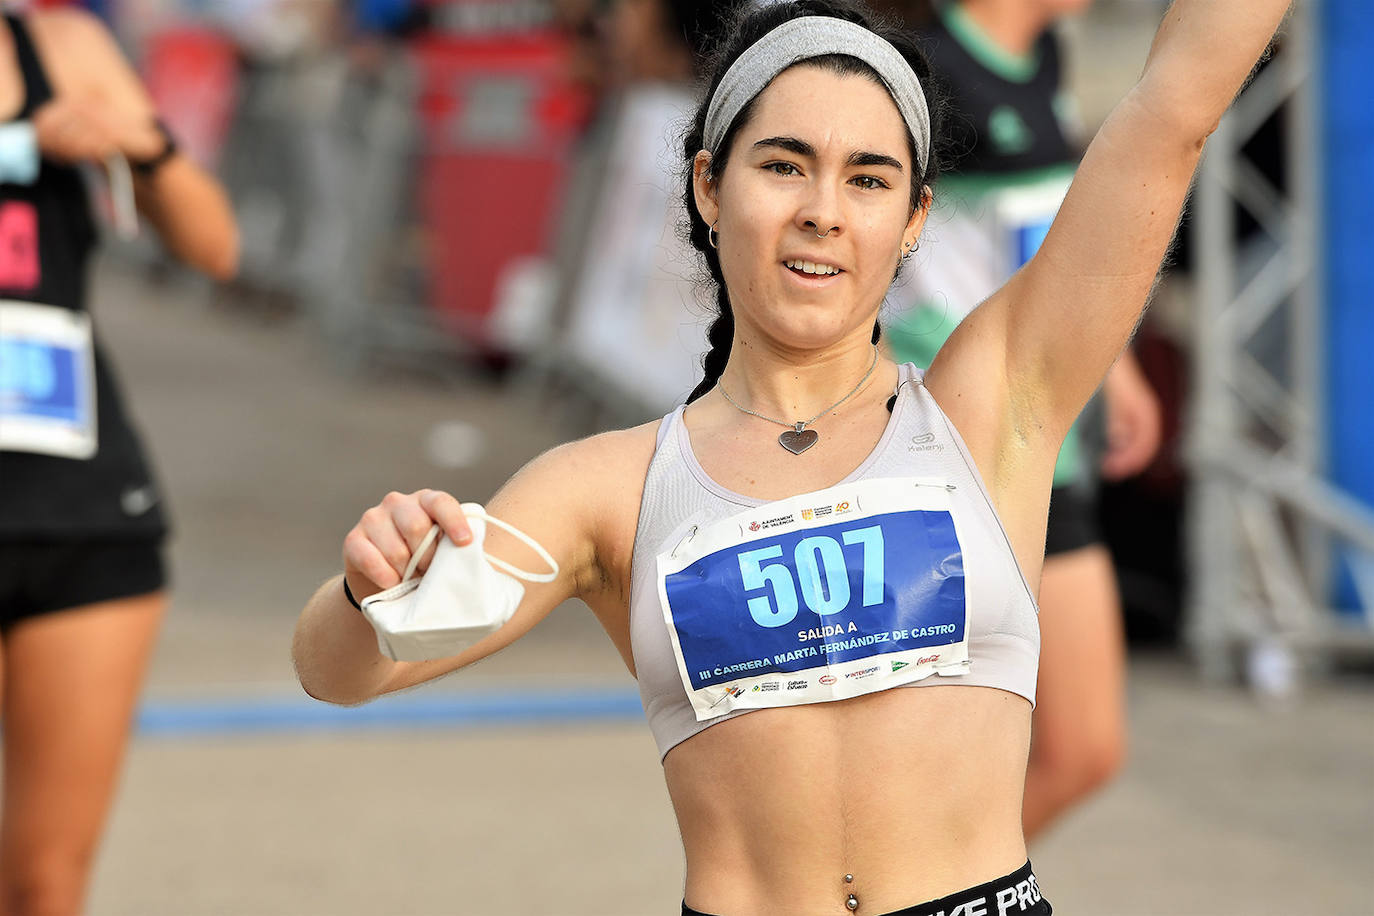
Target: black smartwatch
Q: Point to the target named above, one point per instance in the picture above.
(147, 167)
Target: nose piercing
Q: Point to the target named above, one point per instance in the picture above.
(821, 235)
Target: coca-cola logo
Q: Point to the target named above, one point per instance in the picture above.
(927, 660)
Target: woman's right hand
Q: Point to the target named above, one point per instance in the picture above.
(378, 549)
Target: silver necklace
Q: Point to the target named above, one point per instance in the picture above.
(798, 438)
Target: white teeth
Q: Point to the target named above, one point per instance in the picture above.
(810, 267)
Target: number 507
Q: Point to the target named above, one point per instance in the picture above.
(821, 574)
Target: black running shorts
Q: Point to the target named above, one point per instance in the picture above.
(39, 577)
(1073, 521)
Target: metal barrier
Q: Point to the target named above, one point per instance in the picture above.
(1261, 514)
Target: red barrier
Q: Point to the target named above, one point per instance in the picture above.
(192, 75)
(499, 116)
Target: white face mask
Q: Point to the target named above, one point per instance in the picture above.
(460, 599)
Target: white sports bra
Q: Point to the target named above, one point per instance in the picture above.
(997, 616)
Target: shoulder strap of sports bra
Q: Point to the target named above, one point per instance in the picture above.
(666, 424)
(37, 90)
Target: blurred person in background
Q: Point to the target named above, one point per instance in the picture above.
(811, 166)
(282, 160)
(81, 517)
(1012, 157)
(661, 40)
(620, 299)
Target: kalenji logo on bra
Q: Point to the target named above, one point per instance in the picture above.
(925, 442)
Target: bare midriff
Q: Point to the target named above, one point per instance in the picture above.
(911, 794)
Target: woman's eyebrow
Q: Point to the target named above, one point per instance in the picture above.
(802, 148)
(865, 158)
(791, 144)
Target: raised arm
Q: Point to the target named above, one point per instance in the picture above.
(1052, 332)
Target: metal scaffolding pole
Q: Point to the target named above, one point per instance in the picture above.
(1261, 514)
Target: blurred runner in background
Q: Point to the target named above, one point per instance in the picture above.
(81, 520)
(1012, 159)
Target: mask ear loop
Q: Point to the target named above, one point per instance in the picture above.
(475, 509)
(420, 551)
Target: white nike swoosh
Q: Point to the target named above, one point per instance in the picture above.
(138, 500)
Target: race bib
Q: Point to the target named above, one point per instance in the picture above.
(47, 380)
(1024, 215)
(819, 597)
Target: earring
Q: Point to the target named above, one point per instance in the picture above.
(712, 235)
(907, 252)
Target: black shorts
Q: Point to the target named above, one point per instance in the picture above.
(1016, 894)
(1073, 520)
(39, 577)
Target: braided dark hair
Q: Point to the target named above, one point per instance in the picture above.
(750, 23)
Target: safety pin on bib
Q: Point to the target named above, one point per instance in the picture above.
(691, 533)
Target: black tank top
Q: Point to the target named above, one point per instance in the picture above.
(1003, 116)
(110, 494)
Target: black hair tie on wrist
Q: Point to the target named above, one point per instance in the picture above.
(147, 167)
(348, 593)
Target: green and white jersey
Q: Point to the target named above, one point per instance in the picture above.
(1012, 165)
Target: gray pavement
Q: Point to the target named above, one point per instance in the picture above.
(268, 454)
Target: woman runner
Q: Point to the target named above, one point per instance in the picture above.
(767, 588)
(81, 522)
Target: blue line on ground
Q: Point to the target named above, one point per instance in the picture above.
(487, 707)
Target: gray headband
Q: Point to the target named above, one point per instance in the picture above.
(805, 38)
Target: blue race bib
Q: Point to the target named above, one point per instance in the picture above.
(47, 381)
(1024, 214)
(819, 597)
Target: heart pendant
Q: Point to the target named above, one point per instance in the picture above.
(797, 441)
